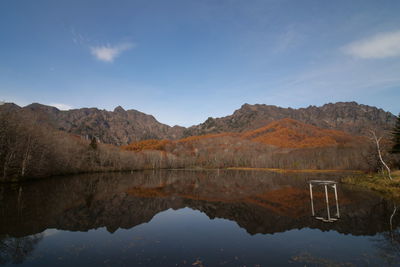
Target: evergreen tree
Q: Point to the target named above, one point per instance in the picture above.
(396, 137)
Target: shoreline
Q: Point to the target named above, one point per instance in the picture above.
(276, 170)
(378, 183)
(292, 170)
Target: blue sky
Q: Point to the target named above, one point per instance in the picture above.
(183, 61)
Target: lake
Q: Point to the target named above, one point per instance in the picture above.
(194, 218)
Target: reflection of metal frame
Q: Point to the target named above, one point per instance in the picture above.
(325, 184)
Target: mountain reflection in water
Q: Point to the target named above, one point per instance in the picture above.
(182, 204)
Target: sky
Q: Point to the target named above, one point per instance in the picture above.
(183, 61)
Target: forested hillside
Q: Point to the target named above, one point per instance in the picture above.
(281, 144)
(40, 141)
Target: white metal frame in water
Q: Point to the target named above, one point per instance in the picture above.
(326, 184)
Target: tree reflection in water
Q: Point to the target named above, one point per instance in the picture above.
(16, 249)
(272, 208)
(388, 243)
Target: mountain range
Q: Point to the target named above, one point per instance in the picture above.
(122, 127)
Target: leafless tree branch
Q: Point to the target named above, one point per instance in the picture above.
(377, 142)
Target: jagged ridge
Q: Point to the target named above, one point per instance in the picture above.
(349, 117)
(121, 127)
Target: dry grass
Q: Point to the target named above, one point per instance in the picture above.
(378, 182)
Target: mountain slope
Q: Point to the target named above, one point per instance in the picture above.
(287, 144)
(115, 127)
(290, 133)
(285, 133)
(345, 116)
(122, 127)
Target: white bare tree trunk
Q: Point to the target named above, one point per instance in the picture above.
(377, 141)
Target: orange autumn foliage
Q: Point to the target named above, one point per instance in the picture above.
(153, 144)
(150, 144)
(285, 133)
(290, 133)
(206, 136)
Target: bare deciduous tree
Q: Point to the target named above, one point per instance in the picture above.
(377, 141)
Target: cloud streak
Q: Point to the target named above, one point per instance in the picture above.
(108, 53)
(384, 45)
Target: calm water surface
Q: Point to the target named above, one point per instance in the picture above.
(193, 218)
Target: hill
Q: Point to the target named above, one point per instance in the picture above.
(349, 117)
(286, 143)
(285, 133)
(35, 142)
(116, 127)
(122, 127)
(290, 133)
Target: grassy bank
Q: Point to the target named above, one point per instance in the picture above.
(377, 182)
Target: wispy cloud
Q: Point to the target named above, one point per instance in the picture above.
(61, 106)
(108, 53)
(383, 45)
(78, 38)
(342, 80)
(288, 39)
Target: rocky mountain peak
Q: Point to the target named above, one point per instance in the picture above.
(350, 117)
(41, 107)
(119, 109)
(121, 127)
